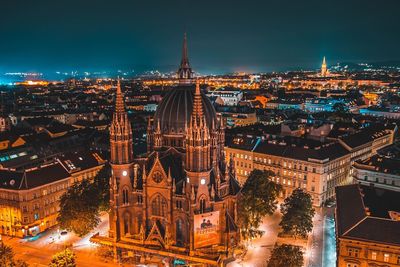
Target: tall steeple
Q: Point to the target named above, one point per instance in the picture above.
(198, 157)
(120, 132)
(121, 146)
(185, 73)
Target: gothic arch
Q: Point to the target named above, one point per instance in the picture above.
(159, 205)
(127, 222)
(180, 230)
(125, 195)
(202, 203)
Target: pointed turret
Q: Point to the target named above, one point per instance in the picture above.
(198, 137)
(119, 101)
(120, 132)
(185, 73)
(197, 105)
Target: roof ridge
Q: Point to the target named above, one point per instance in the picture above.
(354, 226)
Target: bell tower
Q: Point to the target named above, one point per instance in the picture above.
(198, 150)
(122, 175)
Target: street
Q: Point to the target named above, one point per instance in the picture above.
(39, 250)
(320, 248)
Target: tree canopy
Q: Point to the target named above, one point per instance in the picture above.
(258, 199)
(7, 257)
(297, 214)
(80, 206)
(65, 258)
(286, 256)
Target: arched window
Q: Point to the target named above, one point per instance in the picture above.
(202, 205)
(179, 232)
(127, 219)
(159, 206)
(125, 196)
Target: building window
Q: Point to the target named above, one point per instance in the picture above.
(125, 197)
(140, 199)
(179, 204)
(202, 205)
(373, 255)
(159, 206)
(386, 257)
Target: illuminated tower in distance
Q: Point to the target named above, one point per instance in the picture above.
(324, 70)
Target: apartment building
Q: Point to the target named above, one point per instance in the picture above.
(367, 226)
(29, 200)
(317, 169)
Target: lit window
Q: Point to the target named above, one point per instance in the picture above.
(125, 197)
(373, 255)
(386, 257)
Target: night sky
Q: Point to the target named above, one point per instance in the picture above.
(50, 35)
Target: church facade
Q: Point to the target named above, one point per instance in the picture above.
(179, 201)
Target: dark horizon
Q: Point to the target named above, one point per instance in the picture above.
(256, 36)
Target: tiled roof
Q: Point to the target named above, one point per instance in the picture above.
(365, 135)
(362, 213)
(77, 161)
(326, 152)
(32, 178)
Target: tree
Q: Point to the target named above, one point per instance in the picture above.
(297, 214)
(102, 184)
(81, 205)
(258, 199)
(65, 258)
(286, 256)
(79, 210)
(7, 257)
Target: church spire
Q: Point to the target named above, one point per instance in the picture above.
(120, 132)
(185, 58)
(185, 72)
(119, 101)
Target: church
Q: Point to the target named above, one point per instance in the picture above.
(177, 202)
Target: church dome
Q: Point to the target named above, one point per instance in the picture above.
(176, 108)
